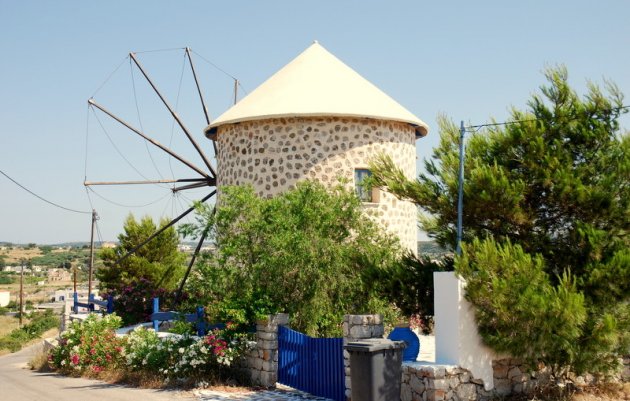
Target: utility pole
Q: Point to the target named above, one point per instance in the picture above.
(21, 292)
(94, 218)
(460, 195)
(235, 90)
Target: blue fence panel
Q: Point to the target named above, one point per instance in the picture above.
(92, 303)
(314, 365)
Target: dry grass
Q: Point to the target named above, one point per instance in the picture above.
(8, 324)
(14, 255)
(39, 360)
(601, 392)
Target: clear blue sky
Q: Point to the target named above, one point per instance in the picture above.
(469, 60)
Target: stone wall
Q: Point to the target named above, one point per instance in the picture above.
(359, 327)
(262, 361)
(453, 383)
(273, 155)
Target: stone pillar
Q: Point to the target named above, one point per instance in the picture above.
(359, 327)
(263, 358)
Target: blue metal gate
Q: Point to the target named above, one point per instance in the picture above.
(314, 365)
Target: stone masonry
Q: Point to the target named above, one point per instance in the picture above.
(262, 361)
(453, 383)
(359, 327)
(274, 154)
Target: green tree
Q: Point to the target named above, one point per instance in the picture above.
(556, 182)
(158, 262)
(306, 252)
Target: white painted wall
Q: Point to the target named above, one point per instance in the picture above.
(457, 341)
(5, 298)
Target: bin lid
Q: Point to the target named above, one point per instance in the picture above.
(374, 345)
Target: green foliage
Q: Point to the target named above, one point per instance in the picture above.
(557, 183)
(7, 278)
(39, 323)
(91, 345)
(306, 252)
(408, 284)
(507, 285)
(134, 301)
(158, 261)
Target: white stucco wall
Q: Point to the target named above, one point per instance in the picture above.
(5, 298)
(457, 341)
(272, 155)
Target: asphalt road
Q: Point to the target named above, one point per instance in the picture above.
(18, 383)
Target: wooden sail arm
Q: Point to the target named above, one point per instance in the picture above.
(152, 141)
(175, 116)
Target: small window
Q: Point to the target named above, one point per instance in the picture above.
(363, 191)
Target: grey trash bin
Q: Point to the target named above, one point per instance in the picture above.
(375, 369)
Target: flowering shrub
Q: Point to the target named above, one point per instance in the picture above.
(89, 346)
(92, 346)
(184, 357)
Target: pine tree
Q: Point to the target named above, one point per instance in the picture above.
(556, 182)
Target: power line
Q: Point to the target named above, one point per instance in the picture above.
(45, 200)
(475, 128)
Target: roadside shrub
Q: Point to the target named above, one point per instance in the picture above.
(184, 358)
(91, 346)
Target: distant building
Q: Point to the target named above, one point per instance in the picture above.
(59, 275)
(108, 245)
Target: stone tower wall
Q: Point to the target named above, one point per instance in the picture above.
(272, 155)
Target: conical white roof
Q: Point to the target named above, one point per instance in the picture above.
(316, 83)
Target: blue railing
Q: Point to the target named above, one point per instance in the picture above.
(106, 305)
(198, 318)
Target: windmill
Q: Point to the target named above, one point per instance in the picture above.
(202, 176)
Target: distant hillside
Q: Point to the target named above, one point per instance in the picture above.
(431, 248)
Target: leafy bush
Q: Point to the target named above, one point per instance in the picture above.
(309, 252)
(91, 346)
(408, 284)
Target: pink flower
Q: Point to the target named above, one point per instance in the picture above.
(75, 359)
